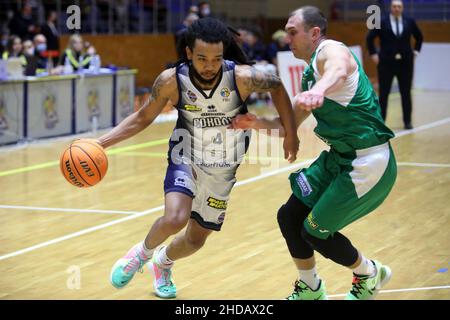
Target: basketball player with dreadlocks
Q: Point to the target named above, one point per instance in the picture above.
(209, 88)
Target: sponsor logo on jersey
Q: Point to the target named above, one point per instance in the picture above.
(304, 185)
(216, 203)
(192, 96)
(192, 108)
(225, 92)
(311, 221)
(211, 122)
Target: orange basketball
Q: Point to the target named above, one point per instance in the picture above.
(84, 163)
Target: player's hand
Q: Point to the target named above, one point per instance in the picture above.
(308, 100)
(244, 121)
(290, 146)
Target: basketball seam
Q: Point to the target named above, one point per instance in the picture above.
(98, 147)
(75, 167)
(99, 172)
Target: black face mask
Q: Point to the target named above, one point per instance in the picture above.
(199, 78)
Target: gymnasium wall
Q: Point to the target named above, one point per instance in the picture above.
(147, 53)
(150, 53)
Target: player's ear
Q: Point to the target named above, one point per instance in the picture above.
(315, 33)
(189, 53)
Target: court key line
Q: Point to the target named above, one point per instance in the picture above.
(143, 213)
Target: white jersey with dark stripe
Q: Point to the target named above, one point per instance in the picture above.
(203, 117)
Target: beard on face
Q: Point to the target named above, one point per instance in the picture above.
(200, 79)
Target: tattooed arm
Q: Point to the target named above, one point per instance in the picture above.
(249, 80)
(163, 88)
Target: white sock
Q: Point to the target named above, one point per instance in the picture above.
(162, 259)
(148, 252)
(365, 268)
(310, 277)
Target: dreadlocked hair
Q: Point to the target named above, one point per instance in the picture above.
(211, 30)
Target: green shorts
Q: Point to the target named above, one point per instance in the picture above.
(341, 188)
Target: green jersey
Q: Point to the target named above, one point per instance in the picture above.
(350, 118)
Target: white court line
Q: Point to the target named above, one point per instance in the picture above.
(143, 213)
(421, 164)
(398, 290)
(423, 127)
(67, 210)
(137, 215)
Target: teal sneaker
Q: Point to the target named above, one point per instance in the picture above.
(124, 269)
(367, 288)
(162, 279)
(303, 292)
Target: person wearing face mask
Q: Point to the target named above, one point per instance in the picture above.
(40, 48)
(204, 10)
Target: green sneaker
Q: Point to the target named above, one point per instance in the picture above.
(124, 269)
(303, 292)
(367, 288)
(163, 282)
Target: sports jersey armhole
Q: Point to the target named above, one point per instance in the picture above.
(235, 84)
(177, 106)
(328, 41)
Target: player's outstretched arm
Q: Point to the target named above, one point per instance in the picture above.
(249, 80)
(164, 84)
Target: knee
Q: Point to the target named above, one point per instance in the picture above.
(175, 220)
(282, 216)
(195, 241)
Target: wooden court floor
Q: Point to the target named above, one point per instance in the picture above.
(60, 242)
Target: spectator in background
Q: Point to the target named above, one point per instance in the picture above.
(51, 33)
(395, 57)
(40, 49)
(181, 29)
(28, 48)
(22, 24)
(279, 44)
(14, 50)
(3, 42)
(253, 46)
(204, 10)
(193, 9)
(334, 11)
(74, 54)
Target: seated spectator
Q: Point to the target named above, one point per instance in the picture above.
(14, 50)
(74, 54)
(279, 44)
(40, 49)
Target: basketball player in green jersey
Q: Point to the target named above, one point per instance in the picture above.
(348, 181)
